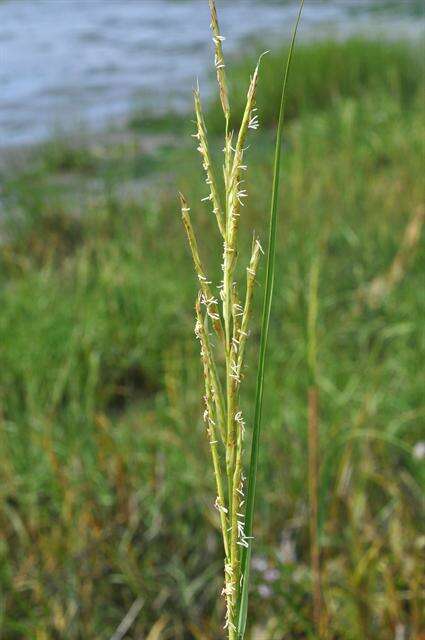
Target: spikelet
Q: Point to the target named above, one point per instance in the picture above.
(201, 136)
(209, 300)
(219, 60)
(251, 274)
(211, 417)
(237, 193)
(209, 362)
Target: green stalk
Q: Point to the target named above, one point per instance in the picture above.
(270, 273)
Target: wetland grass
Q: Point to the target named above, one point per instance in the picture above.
(229, 321)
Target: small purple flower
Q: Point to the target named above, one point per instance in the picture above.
(271, 575)
(265, 591)
(259, 563)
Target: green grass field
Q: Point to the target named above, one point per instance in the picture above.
(106, 488)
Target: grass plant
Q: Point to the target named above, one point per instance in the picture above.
(225, 423)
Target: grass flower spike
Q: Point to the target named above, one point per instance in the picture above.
(223, 359)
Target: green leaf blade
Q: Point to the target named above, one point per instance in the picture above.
(268, 296)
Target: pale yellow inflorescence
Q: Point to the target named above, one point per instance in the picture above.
(230, 320)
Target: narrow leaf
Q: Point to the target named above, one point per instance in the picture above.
(271, 251)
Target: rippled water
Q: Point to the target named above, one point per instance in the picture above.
(65, 62)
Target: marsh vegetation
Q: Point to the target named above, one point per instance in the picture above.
(105, 495)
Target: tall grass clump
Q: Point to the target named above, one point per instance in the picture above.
(222, 328)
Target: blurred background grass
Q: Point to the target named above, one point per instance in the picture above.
(106, 493)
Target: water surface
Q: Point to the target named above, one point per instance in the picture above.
(67, 62)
